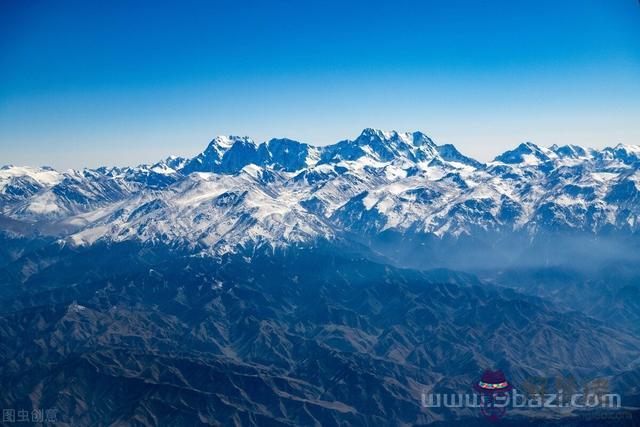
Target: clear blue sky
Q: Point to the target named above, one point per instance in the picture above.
(87, 83)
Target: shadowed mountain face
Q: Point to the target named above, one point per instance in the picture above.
(285, 284)
(296, 337)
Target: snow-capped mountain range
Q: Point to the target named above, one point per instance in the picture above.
(282, 283)
(238, 193)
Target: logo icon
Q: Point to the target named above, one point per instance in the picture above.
(493, 388)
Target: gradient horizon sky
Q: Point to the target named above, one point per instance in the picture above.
(121, 83)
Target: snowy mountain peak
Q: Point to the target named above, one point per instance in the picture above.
(223, 142)
(625, 153)
(382, 146)
(229, 154)
(526, 153)
(450, 153)
(175, 162)
(628, 147)
(415, 139)
(289, 155)
(569, 151)
(371, 133)
(18, 181)
(223, 153)
(420, 139)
